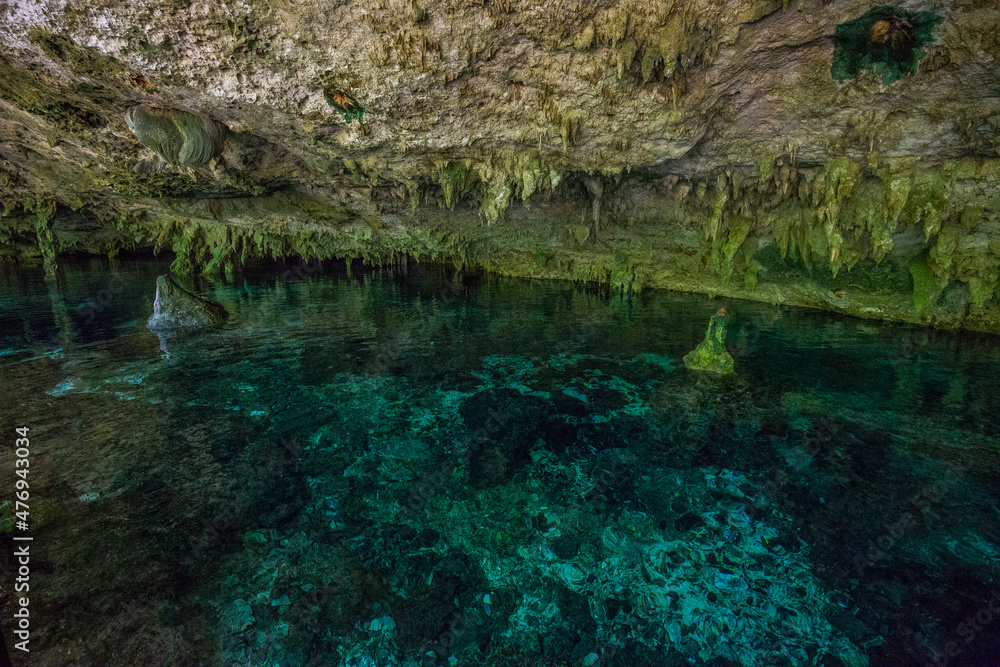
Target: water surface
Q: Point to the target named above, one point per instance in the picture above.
(424, 468)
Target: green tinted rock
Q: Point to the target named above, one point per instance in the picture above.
(177, 137)
(176, 307)
(712, 354)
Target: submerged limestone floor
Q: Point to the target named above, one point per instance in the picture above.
(418, 468)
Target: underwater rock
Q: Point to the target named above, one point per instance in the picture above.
(566, 547)
(176, 307)
(487, 466)
(238, 617)
(504, 416)
(501, 426)
(711, 355)
(177, 137)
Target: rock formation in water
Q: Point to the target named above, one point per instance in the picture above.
(821, 153)
(175, 308)
(711, 355)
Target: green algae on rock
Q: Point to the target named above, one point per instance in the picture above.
(711, 355)
(887, 41)
(345, 103)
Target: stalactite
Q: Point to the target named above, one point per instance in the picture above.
(43, 210)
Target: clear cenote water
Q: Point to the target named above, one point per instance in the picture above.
(422, 468)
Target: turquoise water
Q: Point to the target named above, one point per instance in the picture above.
(415, 467)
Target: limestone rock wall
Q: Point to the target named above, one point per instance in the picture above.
(745, 147)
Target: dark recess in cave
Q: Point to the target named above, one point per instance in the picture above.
(888, 41)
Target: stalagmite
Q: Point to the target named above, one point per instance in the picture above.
(711, 355)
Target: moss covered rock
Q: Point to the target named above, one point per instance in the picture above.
(175, 307)
(711, 355)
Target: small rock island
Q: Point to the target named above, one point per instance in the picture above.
(176, 307)
(711, 355)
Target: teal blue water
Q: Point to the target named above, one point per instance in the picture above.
(419, 467)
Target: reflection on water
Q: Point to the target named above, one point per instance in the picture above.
(421, 468)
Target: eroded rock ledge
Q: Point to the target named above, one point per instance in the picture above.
(826, 154)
